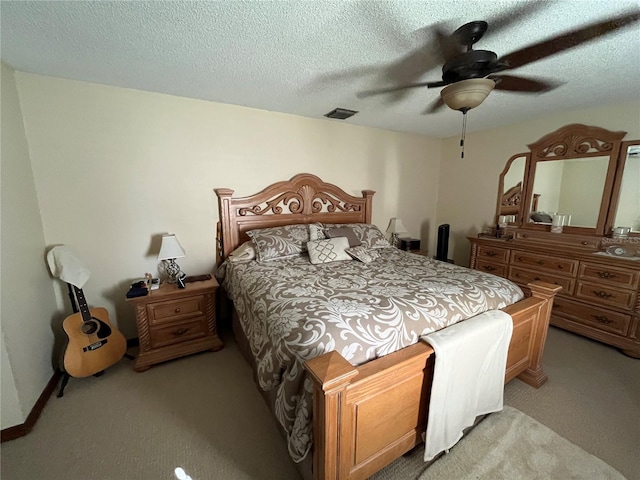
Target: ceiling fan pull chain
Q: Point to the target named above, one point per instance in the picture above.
(464, 130)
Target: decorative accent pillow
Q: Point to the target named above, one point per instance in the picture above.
(369, 235)
(344, 232)
(279, 242)
(244, 253)
(316, 231)
(363, 254)
(328, 250)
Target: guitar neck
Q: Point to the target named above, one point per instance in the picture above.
(82, 304)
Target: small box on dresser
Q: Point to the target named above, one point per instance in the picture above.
(173, 322)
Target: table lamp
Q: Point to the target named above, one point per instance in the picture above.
(395, 228)
(170, 249)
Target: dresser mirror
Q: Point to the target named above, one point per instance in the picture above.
(572, 171)
(573, 186)
(627, 209)
(510, 186)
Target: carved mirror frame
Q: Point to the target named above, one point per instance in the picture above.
(617, 186)
(511, 201)
(572, 142)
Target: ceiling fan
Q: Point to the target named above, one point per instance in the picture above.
(469, 75)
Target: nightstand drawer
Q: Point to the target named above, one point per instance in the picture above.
(522, 277)
(172, 310)
(181, 332)
(493, 253)
(490, 267)
(545, 262)
(611, 275)
(608, 295)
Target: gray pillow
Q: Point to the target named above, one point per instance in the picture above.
(344, 232)
(369, 235)
(363, 254)
(279, 242)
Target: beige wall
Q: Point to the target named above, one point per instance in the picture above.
(28, 303)
(108, 169)
(468, 186)
(115, 167)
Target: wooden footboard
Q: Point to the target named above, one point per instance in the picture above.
(365, 417)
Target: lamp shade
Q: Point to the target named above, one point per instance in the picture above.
(170, 248)
(396, 226)
(467, 94)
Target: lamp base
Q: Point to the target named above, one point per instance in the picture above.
(173, 270)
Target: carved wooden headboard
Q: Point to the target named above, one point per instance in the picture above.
(303, 199)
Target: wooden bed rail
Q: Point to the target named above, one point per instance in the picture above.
(366, 417)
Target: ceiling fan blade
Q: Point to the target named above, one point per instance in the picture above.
(448, 46)
(512, 83)
(434, 106)
(512, 16)
(568, 40)
(369, 93)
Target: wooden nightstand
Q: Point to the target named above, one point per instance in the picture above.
(174, 322)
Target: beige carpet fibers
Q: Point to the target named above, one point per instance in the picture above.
(506, 445)
(203, 413)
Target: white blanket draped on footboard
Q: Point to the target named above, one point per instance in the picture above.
(468, 379)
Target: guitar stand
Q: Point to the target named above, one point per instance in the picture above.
(65, 375)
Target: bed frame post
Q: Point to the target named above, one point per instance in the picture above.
(368, 195)
(230, 238)
(331, 374)
(534, 375)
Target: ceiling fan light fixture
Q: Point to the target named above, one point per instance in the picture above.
(467, 94)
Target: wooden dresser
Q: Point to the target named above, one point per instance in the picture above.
(600, 296)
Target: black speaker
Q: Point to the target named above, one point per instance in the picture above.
(443, 242)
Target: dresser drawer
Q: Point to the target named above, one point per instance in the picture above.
(180, 332)
(599, 318)
(172, 310)
(523, 276)
(544, 262)
(542, 238)
(490, 267)
(619, 277)
(493, 253)
(606, 294)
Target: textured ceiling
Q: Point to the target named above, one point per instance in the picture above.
(307, 57)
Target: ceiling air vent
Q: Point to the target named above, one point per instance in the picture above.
(340, 113)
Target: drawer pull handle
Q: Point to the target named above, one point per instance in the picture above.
(491, 254)
(602, 294)
(560, 267)
(606, 275)
(489, 268)
(540, 262)
(520, 259)
(584, 242)
(537, 279)
(180, 331)
(177, 310)
(602, 319)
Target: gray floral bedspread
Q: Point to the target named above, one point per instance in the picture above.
(292, 311)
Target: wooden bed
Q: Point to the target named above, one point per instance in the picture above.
(367, 416)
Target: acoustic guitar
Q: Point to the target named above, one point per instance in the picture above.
(94, 344)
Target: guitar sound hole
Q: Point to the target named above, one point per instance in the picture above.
(89, 328)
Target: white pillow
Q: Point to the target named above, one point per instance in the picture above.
(244, 253)
(328, 250)
(316, 231)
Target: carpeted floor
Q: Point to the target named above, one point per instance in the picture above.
(203, 413)
(506, 445)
